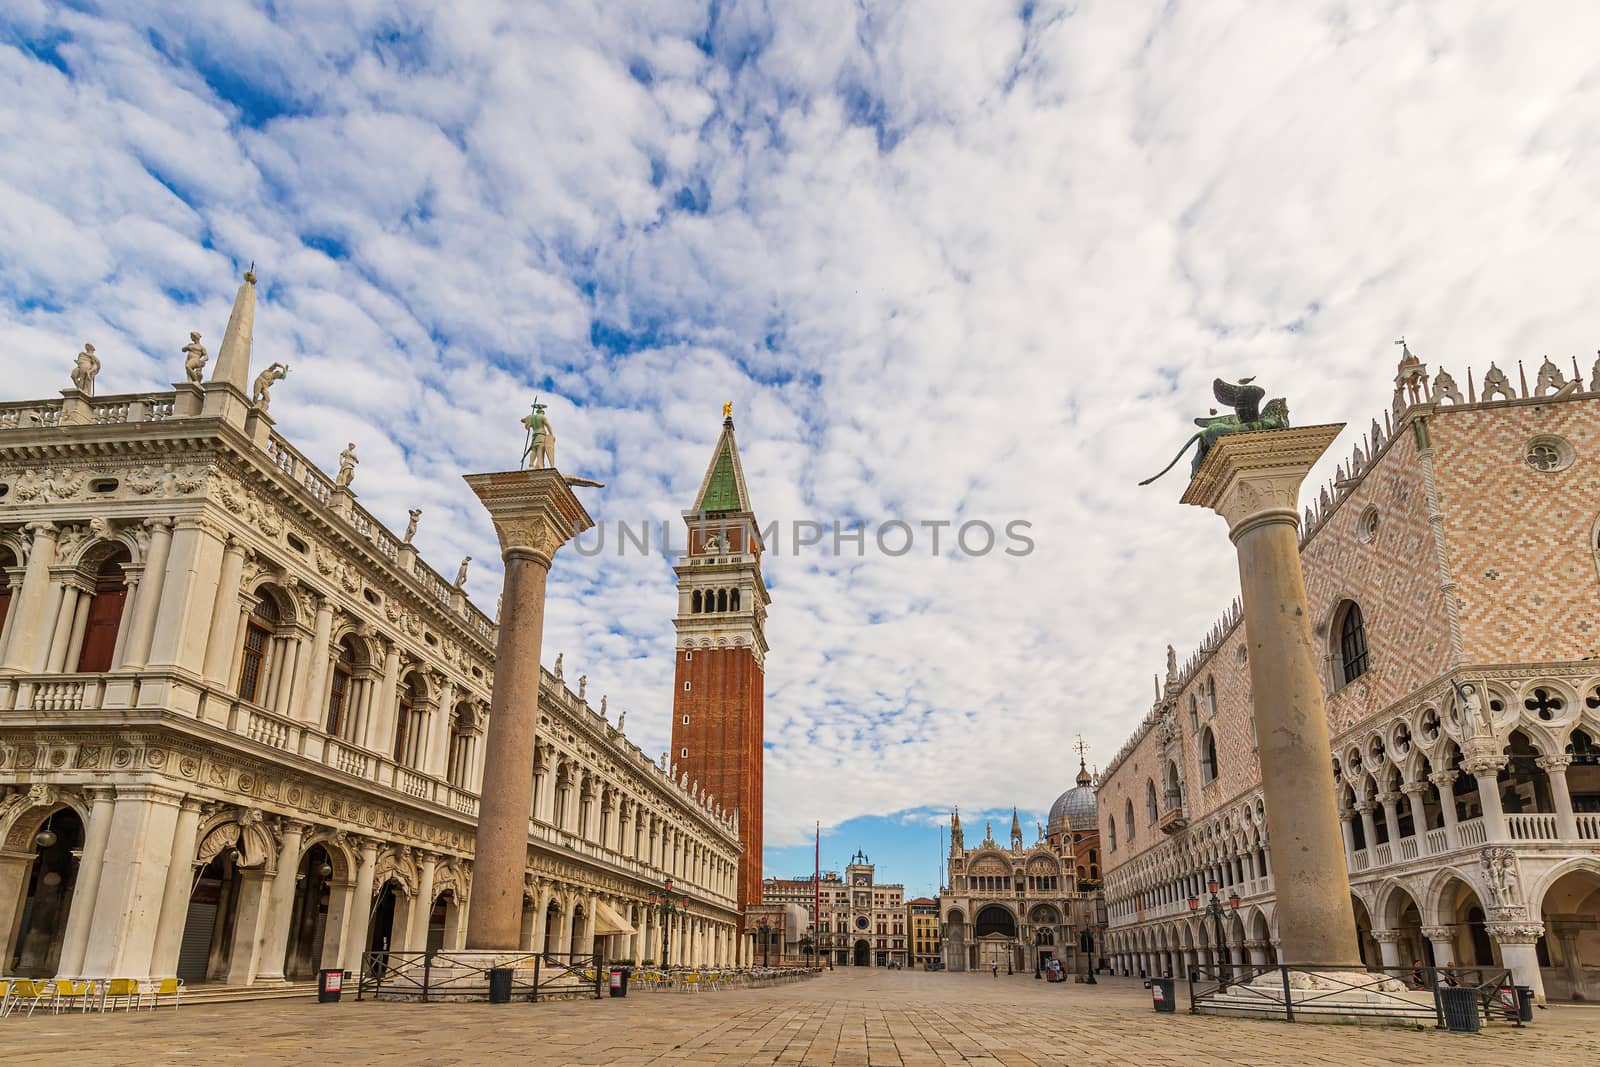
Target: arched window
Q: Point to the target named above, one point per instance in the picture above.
(1208, 756)
(8, 561)
(733, 600)
(1352, 659)
(695, 608)
(410, 724)
(258, 633)
(463, 739)
(1127, 817)
(1194, 713)
(1093, 857)
(722, 600)
(1211, 696)
(1111, 828)
(340, 722)
(1152, 810)
(104, 620)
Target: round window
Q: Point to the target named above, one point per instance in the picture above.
(1548, 453)
(1368, 530)
(861, 922)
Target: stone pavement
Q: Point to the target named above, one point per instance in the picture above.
(848, 1016)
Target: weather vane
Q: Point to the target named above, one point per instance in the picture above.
(727, 409)
(1081, 747)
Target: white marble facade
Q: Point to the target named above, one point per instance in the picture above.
(241, 723)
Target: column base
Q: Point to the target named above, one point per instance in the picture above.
(1347, 997)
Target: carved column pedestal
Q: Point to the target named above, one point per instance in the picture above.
(534, 514)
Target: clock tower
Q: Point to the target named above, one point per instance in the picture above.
(718, 680)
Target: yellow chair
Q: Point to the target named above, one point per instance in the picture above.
(166, 987)
(71, 991)
(129, 990)
(21, 989)
(692, 981)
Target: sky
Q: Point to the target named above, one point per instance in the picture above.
(952, 262)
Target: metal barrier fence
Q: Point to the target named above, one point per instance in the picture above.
(439, 974)
(1248, 994)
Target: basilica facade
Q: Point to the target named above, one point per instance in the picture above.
(1016, 907)
(1451, 568)
(242, 722)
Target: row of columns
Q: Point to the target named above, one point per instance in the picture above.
(1177, 962)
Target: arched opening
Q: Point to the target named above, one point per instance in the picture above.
(1127, 818)
(8, 562)
(863, 954)
(1524, 785)
(733, 600)
(380, 933)
(552, 928)
(1401, 913)
(995, 919)
(103, 621)
(410, 724)
(51, 877)
(1462, 913)
(254, 665)
(1208, 756)
(308, 923)
(580, 920)
(1583, 776)
(443, 917)
(722, 600)
(1351, 658)
(1366, 944)
(463, 744)
(222, 883)
(1152, 808)
(694, 603)
(340, 720)
(1174, 787)
(1569, 956)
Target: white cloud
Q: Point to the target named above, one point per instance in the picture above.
(947, 263)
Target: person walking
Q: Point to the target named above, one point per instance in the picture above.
(994, 968)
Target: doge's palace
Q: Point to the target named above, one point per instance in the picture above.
(241, 722)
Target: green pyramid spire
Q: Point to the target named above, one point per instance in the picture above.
(723, 487)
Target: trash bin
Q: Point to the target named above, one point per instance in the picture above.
(1525, 1003)
(1460, 1010)
(1164, 994)
(500, 985)
(619, 981)
(330, 983)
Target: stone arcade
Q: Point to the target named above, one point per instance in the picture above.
(241, 723)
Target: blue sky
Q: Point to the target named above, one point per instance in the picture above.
(951, 261)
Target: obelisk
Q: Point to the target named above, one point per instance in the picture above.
(1252, 479)
(534, 514)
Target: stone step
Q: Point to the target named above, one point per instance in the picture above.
(221, 994)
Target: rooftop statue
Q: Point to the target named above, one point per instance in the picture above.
(194, 358)
(1248, 414)
(84, 370)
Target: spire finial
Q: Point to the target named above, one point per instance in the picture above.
(250, 273)
(727, 410)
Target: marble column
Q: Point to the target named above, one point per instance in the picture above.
(1443, 940)
(1419, 814)
(175, 898)
(1556, 768)
(1486, 769)
(1389, 948)
(1391, 821)
(1445, 780)
(1253, 481)
(188, 592)
(1258, 953)
(1347, 820)
(534, 514)
(355, 941)
(422, 910)
(75, 939)
(1517, 952)
(1369, 828)
(280, 904)
(142, 624)
(224, 614)
(27, 624)
(311, 704)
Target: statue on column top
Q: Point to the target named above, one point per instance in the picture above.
(557, 672)
(539, 452)
(194, 358)
(347, 466)
(84, 370)
(583, 683)
(1248, 415)
(411, 526)
(461, 572)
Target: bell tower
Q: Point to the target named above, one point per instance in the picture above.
(718, 680)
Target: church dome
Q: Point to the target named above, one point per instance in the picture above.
(1074, 809)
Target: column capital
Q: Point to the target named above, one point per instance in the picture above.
(1413, 788)
(1255, 477)
(1555, 764)
(1366, 807)
(1483, 764)
(294, 827)
(1388, 797)
(534, 512)
(1444, 779)
(1438, 933)
(1388, 937)
(1515, 933)
(159, 522)
(47, 530)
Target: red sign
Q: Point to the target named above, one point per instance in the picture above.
(335, 981)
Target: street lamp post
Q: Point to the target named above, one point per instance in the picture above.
(1214, 908)
(667, 907)
(764, 942)
(1088, 938)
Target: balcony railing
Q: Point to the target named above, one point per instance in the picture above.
(1537, 827)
